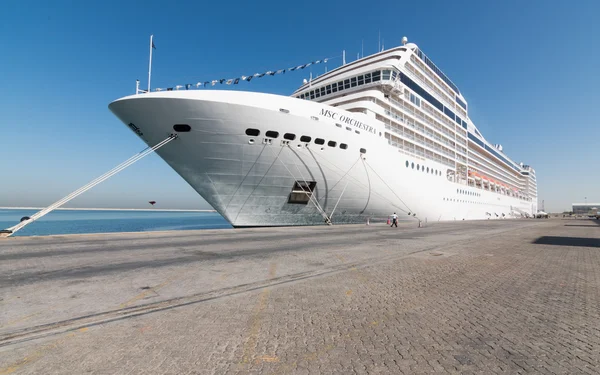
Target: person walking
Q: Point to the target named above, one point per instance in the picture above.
(394, 220)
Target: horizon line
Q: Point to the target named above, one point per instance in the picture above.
(110, 209)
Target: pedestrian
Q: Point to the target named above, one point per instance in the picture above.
(394, 220)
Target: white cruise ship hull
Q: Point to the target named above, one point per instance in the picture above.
(249, 179)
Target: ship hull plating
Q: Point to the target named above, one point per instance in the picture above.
(249, 179)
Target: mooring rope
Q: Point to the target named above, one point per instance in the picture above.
(147, 151)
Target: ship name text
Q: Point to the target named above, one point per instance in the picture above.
(347, 120)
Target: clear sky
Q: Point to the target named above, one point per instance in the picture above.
(529, 70)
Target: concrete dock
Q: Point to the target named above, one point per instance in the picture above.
(488, 297)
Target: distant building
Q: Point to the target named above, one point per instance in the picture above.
(586, 208)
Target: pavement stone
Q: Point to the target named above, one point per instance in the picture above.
(485, 297)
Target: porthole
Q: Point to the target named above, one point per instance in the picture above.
(289, 136)
(357, 132)
(319, 141)
(348, 128)
(272, 134)
(252, 132)
(331, 143)
(413, 165)
(251, 141)
(338, 125)
(182, 128)
(343, 146)
(427, 169)
(407, 164)
(363, 151)
(418, 167)
(305, 138)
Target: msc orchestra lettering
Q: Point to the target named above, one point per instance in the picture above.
(347, 120)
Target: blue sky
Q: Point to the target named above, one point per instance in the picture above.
(529, 70)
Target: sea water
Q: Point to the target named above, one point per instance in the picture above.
(100, 221)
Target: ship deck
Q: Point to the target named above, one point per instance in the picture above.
(497, 296)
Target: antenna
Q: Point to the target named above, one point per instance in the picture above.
(344, 57)
(362, 47)
(404, 40)
(379, 42)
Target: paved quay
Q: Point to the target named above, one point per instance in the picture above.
(485, 297)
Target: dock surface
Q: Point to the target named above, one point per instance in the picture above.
(493, 297)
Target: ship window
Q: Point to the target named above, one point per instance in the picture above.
(407, 164)
(253, 132)
(376, 76)
(334, 87)
(361, 79)
(331, 143)
(272, 134)
(418, 167)
(312, 94)
(394, 74)
(289, 136)
(413, 165)
(322, 91)
(183, 128)
(353, 81)
(415, 100)
(340, 85)
(427, 169)
(305, 138)
(348, 128)
(319, 141)
(449, 113)
(357, 132)
(386, 74)
(343, 146)
(363, 151)
(346, 84)
(328, 88)
(338, 125)
(368, 78)
(317, 94)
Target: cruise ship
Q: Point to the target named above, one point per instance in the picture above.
(387, 133)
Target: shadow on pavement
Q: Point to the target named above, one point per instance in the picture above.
(568, 241)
